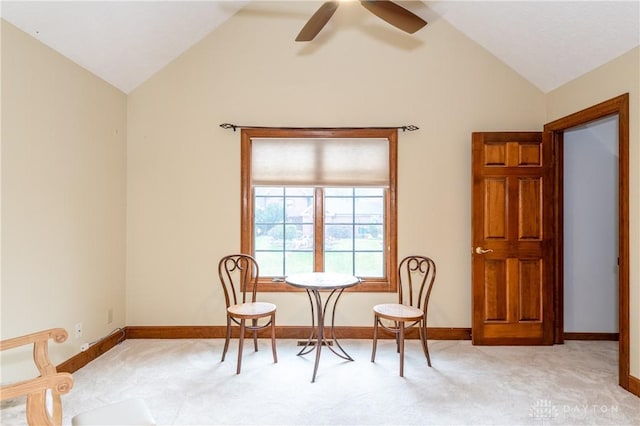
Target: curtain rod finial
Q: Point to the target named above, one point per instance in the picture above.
(229, 126)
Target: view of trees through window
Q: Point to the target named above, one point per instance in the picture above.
(340, 228)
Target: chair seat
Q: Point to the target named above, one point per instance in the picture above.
(128, 412)
(251, 310)
(398, 312)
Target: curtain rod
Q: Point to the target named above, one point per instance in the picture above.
(407, 128)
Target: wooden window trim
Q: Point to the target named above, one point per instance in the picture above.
(389, 284)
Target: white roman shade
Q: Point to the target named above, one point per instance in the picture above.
(320, 162)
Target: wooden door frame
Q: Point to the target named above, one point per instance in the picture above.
(620, 106)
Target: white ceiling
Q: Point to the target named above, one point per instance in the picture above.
(125, 42)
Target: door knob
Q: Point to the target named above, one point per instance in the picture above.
(480, 250)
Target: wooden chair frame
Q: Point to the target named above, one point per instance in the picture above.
(239, 278)
(411, 309)
(49, 380)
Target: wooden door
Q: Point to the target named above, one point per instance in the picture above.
(512, 231)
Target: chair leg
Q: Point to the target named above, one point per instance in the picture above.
(226, 341)
(254, 323)
(423, 339)
(401, 346)
(241, 341)
(273, 338)
(397, 327)
(375, 338)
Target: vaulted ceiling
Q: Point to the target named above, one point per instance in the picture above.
(125, 42)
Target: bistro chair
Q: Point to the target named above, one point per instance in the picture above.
(239, 278)
(416, 275)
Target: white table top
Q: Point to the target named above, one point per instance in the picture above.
(321, 280)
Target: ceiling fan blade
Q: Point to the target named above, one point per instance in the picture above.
(317, 21)
(394, 14)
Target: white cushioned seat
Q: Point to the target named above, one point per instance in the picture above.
(128, 412)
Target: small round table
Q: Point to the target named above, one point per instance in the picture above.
(314, 283)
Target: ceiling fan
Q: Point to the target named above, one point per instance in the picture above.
(386, 10)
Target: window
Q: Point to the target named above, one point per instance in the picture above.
(320, 200)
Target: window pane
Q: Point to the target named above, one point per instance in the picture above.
(338, 209)
(265, 242)
(271, 263)
(268, 190)
(369, 210)
(298, 261)
(299, 210)
(269, 209)
(369, 264)
(299, 237)
(369, 237)
(338, 237)
(338, 192)
(296, 191)
(339, 262)
(369, 192)
(269, 237)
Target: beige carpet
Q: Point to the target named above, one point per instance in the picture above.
(184, 383)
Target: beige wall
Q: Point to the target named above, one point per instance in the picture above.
(619, 76)
(63, 197)
(183, 179)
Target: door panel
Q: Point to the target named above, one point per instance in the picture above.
(530, 209)
(495, 207)
(495, 304)
(530, 290)
(512, 265)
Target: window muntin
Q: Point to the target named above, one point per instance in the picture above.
(363, 213)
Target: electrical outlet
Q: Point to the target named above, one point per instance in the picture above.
(109, 315)
(79, 330)
(84, 347)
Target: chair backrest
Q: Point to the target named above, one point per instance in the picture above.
(416, 275)
(36, 389)
(238, 276)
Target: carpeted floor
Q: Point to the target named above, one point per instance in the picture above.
(184, 383)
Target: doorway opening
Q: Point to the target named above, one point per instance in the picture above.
(618, 106)
(590, 230)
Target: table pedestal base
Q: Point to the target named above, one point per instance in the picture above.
(317, 337)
